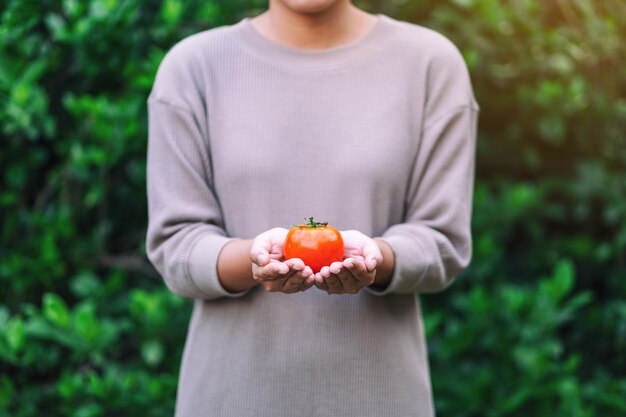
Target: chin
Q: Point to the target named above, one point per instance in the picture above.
(310, 6)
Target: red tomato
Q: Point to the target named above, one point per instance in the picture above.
(317, 244)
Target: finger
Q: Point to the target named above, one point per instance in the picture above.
(308, 275)
(358, 269)
(322, 274)
(371, 262)
(335, 267)
(342, 272)
(372, 256)
(284, 286)
(293, 284)
(259, 253)
(372, 259)
(321, 285)
(308, 283)
(334, 284)
(260, 274)
(295, 264)
(273, 270)
(349, 283)
(273, 285)
(283, 269)
(267, 246)
(305, 277)
(301, 276)
(299, 271)
(354, 263)
(305, 285)
(259, 257)
(294, 279)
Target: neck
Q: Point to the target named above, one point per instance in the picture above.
(339, 24)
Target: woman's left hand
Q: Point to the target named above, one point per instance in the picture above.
(358, 269)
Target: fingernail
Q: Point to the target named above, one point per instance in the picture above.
(261, 259)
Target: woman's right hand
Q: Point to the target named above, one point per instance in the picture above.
(271, 270)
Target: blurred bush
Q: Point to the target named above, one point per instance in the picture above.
(536, 326)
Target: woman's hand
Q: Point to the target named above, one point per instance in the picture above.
(271, 272)
(357, 271)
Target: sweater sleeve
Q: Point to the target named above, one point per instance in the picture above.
(185, 229)
(433, 243)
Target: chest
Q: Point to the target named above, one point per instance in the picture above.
(318, 127)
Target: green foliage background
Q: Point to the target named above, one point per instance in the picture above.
(536, 326)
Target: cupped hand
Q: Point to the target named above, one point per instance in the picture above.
(269, 269)
(358, 269)
(358, 245)
(347, 277)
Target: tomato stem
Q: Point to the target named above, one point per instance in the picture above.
(313, 224)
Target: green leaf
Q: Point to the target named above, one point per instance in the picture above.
(85, 323)
(39, 328)
(4, 317)
(7, 392)
(55, 310)
(432, 323)
(515, 298)
(86, 284)
(56, 24)
(562, 280)
(152, 352)
(171, 11)
(88, 410)
(14, 334)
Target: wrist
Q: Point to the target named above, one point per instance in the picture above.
(384, 270)
(234, 268)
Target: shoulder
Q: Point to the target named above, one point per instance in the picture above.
(424, 42)
(181, 74)
(196, 47)
(443, 69)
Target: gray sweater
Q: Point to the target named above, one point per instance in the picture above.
(246, 134)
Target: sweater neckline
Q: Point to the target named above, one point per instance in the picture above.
(318, 59)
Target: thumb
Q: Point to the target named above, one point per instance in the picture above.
(259, 255)
(373, 256)
(262, 260)
(371, 262)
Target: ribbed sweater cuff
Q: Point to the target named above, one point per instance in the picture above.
(409, 266)
(202, 266)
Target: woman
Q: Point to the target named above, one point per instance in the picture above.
(313, 108)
